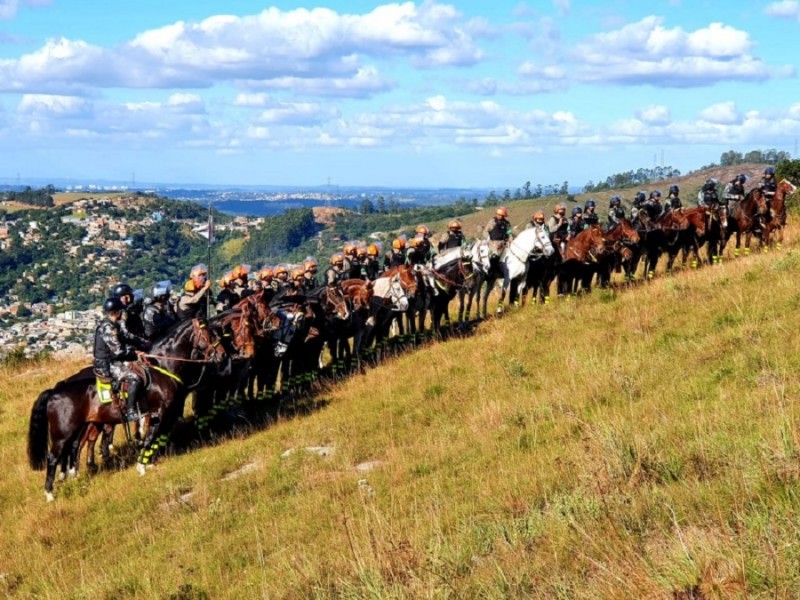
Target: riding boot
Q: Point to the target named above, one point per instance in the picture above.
(131, 409)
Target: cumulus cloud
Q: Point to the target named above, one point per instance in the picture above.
(272, 46)
(654, 115)
(787, 9)
(646, 52)
(722, 113)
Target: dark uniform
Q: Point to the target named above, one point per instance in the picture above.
(395, 258)
(193, 304)
(372, 268)
(157, 318)
(226, 299)
(452, 238)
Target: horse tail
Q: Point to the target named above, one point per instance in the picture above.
(38, 432)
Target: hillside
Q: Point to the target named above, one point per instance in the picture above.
(634, 444)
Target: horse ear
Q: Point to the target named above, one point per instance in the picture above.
(369, 285)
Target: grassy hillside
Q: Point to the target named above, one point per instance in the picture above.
(635, 444)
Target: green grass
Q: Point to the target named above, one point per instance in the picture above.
(629, 445)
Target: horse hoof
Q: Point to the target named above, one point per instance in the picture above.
(49, 496)
(72, 472)
(62, 476)
(140, 468)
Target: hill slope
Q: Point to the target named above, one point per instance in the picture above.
(633, 444)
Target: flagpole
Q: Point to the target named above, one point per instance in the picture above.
(210, 230)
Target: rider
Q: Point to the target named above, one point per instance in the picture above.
(372, 266)
(281, 277)
(638, 202)
(734, 190)
(558, 222)
(157, 315)
(708, 195)
(132, 313)
(114, 353)
(590, 217)
(769, 186)
(674, 198)
(537, 221)
(296, 285)
(453, 237)
(335, 274)
(397, 256)
(193, 303)
(310, 269)
(615, 211)
(227, 297)
(424, 246)
(576, 224)
(239, 281)
(653, 206)
(498, 231)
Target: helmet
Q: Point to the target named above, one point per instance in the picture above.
(423, 230)
(350, 249)
(769, 171)
(281, 270)
(414, 242)
(577, 210)
(226, 279)
(198, 271)
(741, 178)
(122, 289)
(501, 212)
(112, 304)
(674, 189)
(590, 203)
(361, 252)
(372, 250)
(297, 273)
(615, 201)
(398, 243)
(240, 271)
(309, 264)
(337, 259)
(710, 184)
(160, 290)
(641, 195)
(190, 287)
(454, 225)
(560, 209)
(655, 194)
(265, 274)
(538, 217)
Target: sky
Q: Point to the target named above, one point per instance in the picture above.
(412, 94)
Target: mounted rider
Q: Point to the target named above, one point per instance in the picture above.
(310, 268)
(638, 203)
(296, 285)
(372, 266)
(281, 277)
(452, 238)
(424, 247)
(193, 303)
(708, 195)
(674, 198)
(335, 273)
(115, 353)
(537, 222)
(615, 211)
(769, 186)
(576, 223)
(590, 216)
(239, 281)
(157, 316)
(653, 207)
(498, 232)
(227, 297)
(396, 256)
(734, 189)
(132, 313)
(558, 221)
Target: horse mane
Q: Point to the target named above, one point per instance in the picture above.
(447, 257)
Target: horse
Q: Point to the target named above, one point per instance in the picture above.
(450, 271)
(480, 258)
(583, 249)
(693, 237)
(748, 217)
(619, 239)
(61, 414)
(658, 235)
(392, 295)
(777, 219)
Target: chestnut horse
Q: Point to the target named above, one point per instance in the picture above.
(747, 217)
(585, 248)
(777, 219)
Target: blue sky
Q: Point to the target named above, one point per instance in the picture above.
(429, 93)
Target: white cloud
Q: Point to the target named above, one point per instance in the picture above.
(787, 9)
(296, 113)
(44, 105)
(722, 113)
(654, 115)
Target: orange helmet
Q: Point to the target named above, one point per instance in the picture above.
(240, 271)
(414, 242)
(281, 270)
(454, 225)
(226, 279)
(501, 212)
(423, 230)
(198, 271)
(372, 250)
(309, 264)
(265, 274)
(337, 259)
(398, 243)
(350, 249)
(558, 208)
(361, 252)
(297, 273)
(190, 287)
(538, 217)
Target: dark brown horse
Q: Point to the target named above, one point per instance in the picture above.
(60, 415)
(777, 219)
(584, 249)
(748, 217)
(619, 240)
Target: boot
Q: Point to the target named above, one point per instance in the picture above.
(131, 410)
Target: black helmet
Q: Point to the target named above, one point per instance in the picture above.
(641, 195)
(122, 289)
(674, 189)
(590, 203)
(615, 201)
(655, 194)
(769, 171)
(741, 178)
(709, 185)
(112, 304)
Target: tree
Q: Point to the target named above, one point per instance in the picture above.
(367, 208)
(381, 204)
(788, 169)
(564, 188)
(526, 190)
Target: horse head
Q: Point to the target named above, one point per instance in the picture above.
(336, 303)
(206, 343)
(630, 237)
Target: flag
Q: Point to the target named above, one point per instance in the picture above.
(206, 230)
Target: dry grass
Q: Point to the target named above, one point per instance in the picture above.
(637, 444)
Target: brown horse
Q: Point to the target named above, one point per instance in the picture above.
(747, 217)
(694, 236)
(61, 414)
(585, 248)
(618, 239)
(777, 219)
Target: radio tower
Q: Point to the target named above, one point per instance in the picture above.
(328, 197)
(133, 180)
